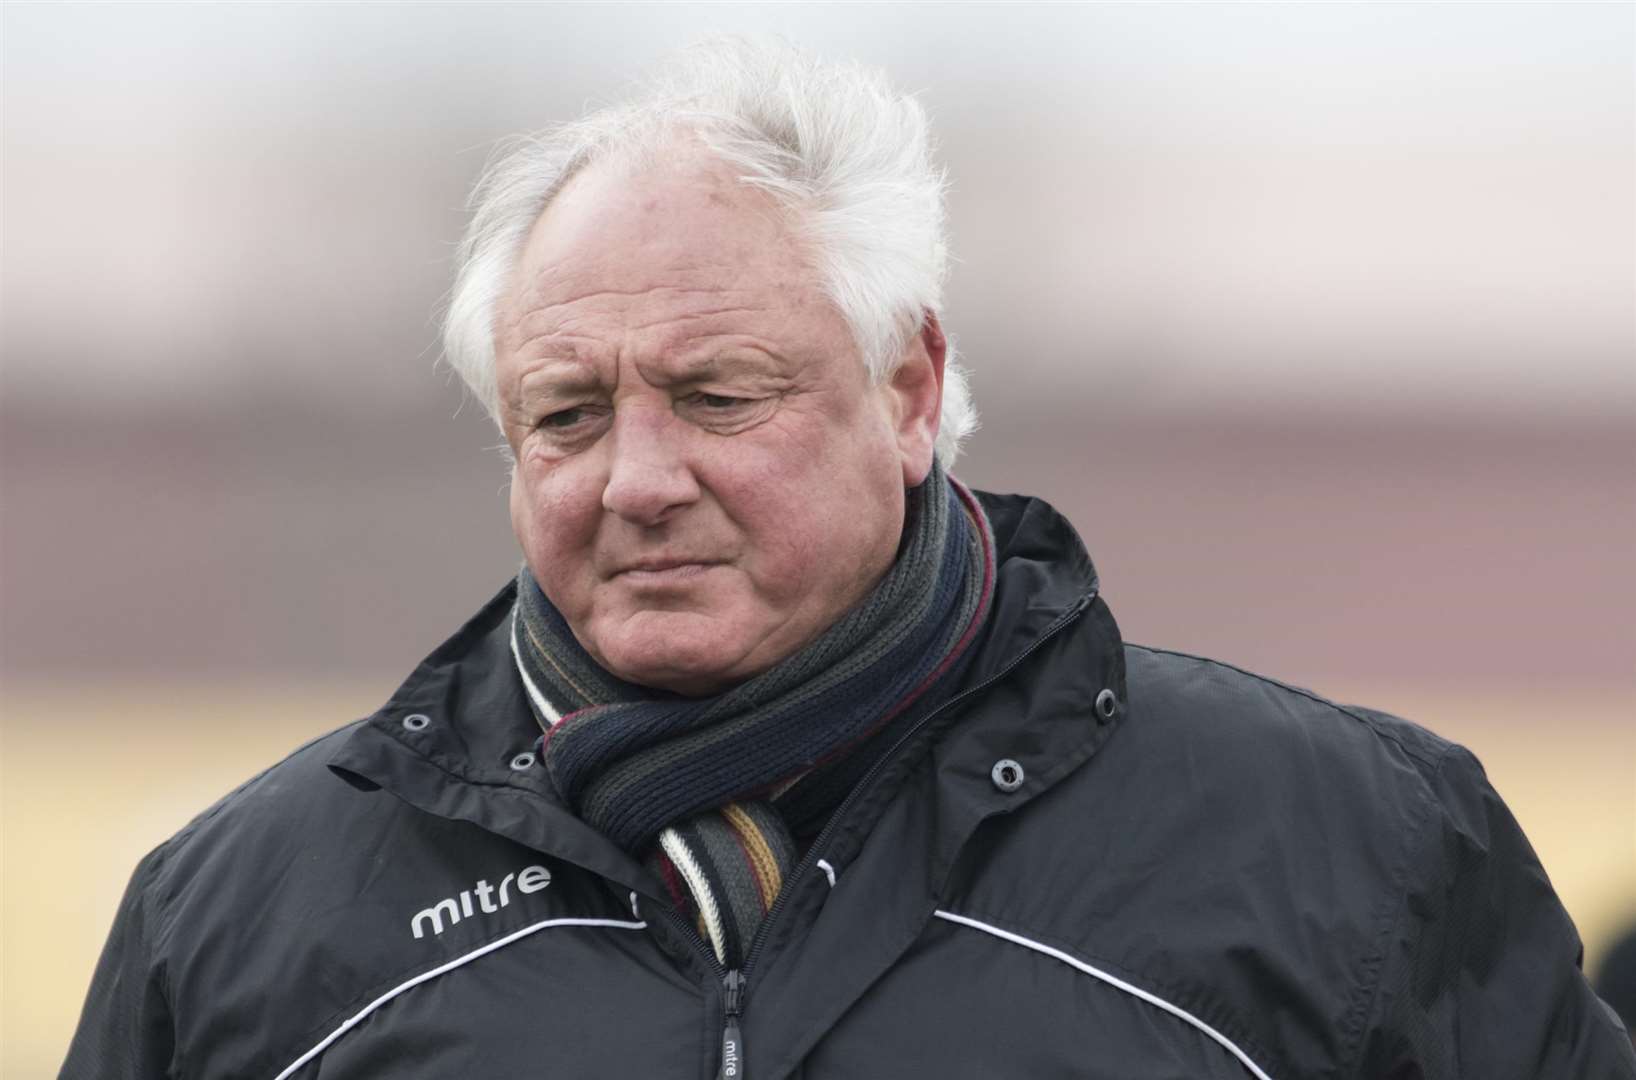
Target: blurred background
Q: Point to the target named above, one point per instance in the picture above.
(1318, 320)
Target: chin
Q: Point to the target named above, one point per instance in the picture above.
(670, 658)
(678, 676)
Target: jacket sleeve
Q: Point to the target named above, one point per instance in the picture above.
(125, 1029)
(1481, 978)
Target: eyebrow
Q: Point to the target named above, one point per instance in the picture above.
(565, 373)
(718, 364)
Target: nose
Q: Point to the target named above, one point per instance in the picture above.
(649, 479)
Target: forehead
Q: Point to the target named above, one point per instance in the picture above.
(623, 248)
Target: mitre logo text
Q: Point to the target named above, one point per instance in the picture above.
(488, 900)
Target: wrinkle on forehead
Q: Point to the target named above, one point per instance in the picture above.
(587, 335)
(677, 301)
(544, 310)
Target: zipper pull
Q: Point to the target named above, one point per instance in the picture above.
(732, 1042)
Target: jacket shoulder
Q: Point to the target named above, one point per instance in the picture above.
(1236, 843)
(1395, 861)
(281, 805)
(184, 939)
(1211, 703)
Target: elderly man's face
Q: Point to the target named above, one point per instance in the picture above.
(706, 478)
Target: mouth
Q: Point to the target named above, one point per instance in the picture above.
(662, 571)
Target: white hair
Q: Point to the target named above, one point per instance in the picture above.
(836, 144)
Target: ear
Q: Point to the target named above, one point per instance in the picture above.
(916, 392)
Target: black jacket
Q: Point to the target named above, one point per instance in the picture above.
(1202, 873)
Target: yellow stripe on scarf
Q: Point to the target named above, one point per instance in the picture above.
(768, 879)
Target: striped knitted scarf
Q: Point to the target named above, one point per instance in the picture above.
(713, 792)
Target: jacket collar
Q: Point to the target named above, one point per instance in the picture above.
(448, 740)
(1049, 649)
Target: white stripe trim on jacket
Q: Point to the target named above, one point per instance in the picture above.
(1112, 980)
(358, 1017)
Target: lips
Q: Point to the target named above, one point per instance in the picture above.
(661, 568)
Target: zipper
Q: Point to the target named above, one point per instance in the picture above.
(732, 983)
(735, 983)
(732, 1039)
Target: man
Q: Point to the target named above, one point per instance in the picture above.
(786, 755)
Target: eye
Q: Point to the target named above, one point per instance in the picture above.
(727, 414)
(719, 401)
(563, 418)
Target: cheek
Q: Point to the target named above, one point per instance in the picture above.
(553, 525)
(531, 515)
(819, 518)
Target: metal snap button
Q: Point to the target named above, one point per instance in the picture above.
(1107, 705)
(1007, 775)
(416, 721)
(524, 760)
